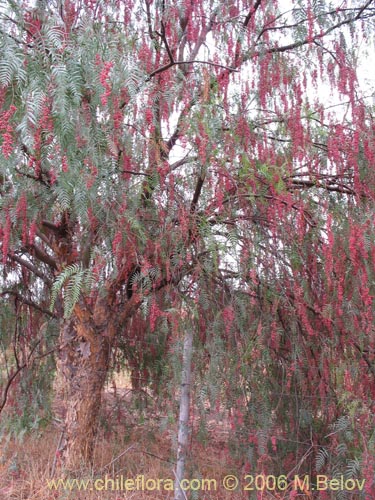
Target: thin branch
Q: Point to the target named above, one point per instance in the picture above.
(306, 41)
(330, 52)
(7, 387)
(174, 63)
(56, 454)
(22, 27)
(176, 134)
(183, 161)
(33, 177)
(193, 54)
(118, 456)
(20, 42)
(164, 38)
(157, 456)
(325, 14)
(280, 27)
(19, 369)
(365, 357)
(298, 183)
(12, 377)
(28, 302)
(132, 172)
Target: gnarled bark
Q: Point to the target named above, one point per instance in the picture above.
(85, 347)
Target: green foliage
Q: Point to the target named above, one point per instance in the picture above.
(11, 63)
(73, 279)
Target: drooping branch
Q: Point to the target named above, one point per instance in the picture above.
(175, 63)
(16, 23)
(319, 36)
(28, 302)
(19, 369)
(8, 384)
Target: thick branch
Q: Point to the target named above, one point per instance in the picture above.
(197, 193)
(44, 238)
(149, 20)
(52, 227)
(252, 12)
(32, 268)
(41, 255)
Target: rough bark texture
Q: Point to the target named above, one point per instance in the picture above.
(85, 346)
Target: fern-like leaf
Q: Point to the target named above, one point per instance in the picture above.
(75, 279)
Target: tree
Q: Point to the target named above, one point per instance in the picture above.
(184, 413)
(155, 152)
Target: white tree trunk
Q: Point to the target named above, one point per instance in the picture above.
(183, 427)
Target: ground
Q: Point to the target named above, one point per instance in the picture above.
(140, 449)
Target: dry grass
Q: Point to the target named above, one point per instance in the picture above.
(25, 467)
(126, 448)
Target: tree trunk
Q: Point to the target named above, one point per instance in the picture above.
(183, 428)
(85, 347)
